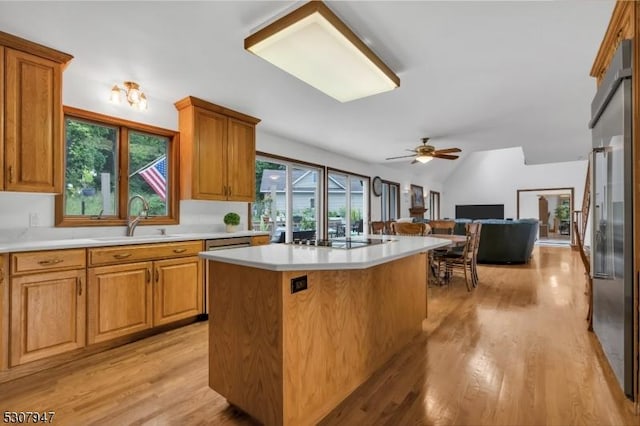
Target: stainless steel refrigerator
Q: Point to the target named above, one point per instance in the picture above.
(612, 220)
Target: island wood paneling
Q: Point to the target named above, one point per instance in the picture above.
(343, 328)
(245, 339)
(290, 358)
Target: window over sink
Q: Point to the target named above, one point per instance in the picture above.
(108, 161)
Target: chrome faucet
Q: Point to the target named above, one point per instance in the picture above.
(132, 223)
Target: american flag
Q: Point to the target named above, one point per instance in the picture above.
(156, 176)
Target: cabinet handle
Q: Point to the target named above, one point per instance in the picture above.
(10, 174)
(79, 285)
(1, 275)
(121, 255)
(224, 190)
(179, 250)
(229, 192)
(148, 275)
(157, 274)
(50, 262)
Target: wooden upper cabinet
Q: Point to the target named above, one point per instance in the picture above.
(217, 152)
(210, 159)
(241, 154)
(31, 107)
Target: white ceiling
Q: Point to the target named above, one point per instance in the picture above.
(476, 75)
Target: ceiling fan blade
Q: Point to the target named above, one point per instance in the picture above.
(445, 156)
(447, 151)
(402, 156)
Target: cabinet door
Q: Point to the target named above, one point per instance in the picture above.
(4, 311)
(177, 290)
(47, 315)
(210, 155)
(242, 160)
(119, 301)
(33, 125)
(2, 168)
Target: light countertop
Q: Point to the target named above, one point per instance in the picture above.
(289, 257)
(35, 245)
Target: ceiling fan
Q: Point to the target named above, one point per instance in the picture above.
(425, 153)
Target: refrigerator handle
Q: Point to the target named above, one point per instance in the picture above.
(596, 235)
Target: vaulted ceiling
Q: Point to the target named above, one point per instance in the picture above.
(475, 75)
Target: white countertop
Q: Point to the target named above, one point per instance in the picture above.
(34, 245)
(289, 257)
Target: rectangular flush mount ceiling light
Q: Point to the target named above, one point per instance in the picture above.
(314, 45)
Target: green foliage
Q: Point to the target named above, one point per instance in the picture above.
(562, 211)
(356, 215)
(91, 149)
(231, 219)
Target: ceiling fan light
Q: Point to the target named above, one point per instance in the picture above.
(424, 158)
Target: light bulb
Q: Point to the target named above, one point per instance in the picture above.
(424, 158)
(115, 94)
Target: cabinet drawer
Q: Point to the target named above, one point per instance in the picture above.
(52, 260)
(260, 240)
(135, 253)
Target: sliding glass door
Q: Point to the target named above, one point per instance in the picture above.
(347, 203)
(288, 199)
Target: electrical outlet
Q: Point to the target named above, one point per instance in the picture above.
(34, 220)
(298, 284)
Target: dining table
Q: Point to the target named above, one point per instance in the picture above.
(456, 240)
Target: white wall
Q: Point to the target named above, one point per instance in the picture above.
(493, 177)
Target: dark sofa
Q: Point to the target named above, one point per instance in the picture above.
(507, 241)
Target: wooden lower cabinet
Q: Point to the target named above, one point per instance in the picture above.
(47, 314)
(177, 291)
(119, 301)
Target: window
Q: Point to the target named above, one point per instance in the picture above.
(347, 203)
(390, 201)
(285, 199)
(108, 161)
(434, 205)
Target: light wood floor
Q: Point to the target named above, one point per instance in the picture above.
(513, 352)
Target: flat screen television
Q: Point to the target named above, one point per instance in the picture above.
(480, 211)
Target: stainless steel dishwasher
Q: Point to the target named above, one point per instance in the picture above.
(220, 244)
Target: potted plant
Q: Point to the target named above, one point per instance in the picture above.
(231, 220)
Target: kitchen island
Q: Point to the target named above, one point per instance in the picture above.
(295, 329)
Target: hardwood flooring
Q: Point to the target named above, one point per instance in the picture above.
(515, 351)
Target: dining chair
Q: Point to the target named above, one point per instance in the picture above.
(376, 227)
(442, 226)
(464, 258)
(476, 244)
(387, 227)
(406, 228)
